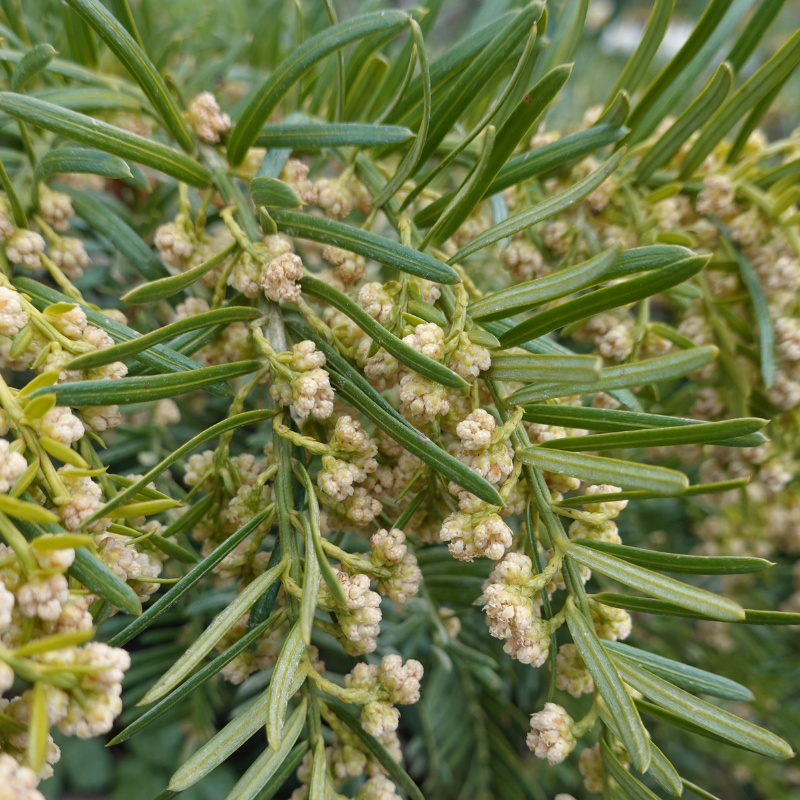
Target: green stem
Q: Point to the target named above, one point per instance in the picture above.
(334, 690)
(19, 544)
(583, 726)
(20, 220)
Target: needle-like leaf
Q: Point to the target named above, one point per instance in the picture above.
(145, 388)
(400, 350)
(606, 470)
(603, 299)
(689, 678)
(103, 136)
(131, 54)
(124, 350)
(80, 159)
(544, 210)
(636, 374)
(611, 688)
(659, 586)
(265, 98)
(219, 626)
(369, 245)
(699, 712)
(314, 135)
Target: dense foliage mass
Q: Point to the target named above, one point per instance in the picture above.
(344, 397)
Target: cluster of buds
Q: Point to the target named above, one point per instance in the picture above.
(513, 610)
(402, 576)
(337, 197)
(523, 260)
(611, 623)
(471, 536)
(300, 382)
(485, 449)
(133, 566)
(422, 399)
(349, 266)
(596, 521)
(360, 616)
(591, 768)
(87, 706)
(572, 675)
(27, 248)
(175, 242)
(206, 119)
(39, 598)
(611, 335)
(469, 359)
(242, 484)
(477, 529)
(350, 460)
(295, 173)
(182, 246)
(380, 300)
(18, 782)
(382, 687)
(551, 735)
(270, 267)
(377, 688)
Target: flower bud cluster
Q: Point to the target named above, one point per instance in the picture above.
(610, 623)
(551, 735)
(55, 208)
(477, 529)
(523, 261)
(128, 563)
(469, 359)
(485, 450)
(610, 334)
(393, 682)
(389, 550)
(573, 675)
(360, 617)
(26, 247)
(175, 242)
(295, 173)
(378, 787)
(206, 119)
(378, 300)
(309, 390)
(352, 459)
(339, 196)
(12, 465)
(349, 266)
(18, 782)
(513, 612)
(422, 399)
(471, 536)
(591, 768)
(12, 317)
(86, 710)
(269, 266)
